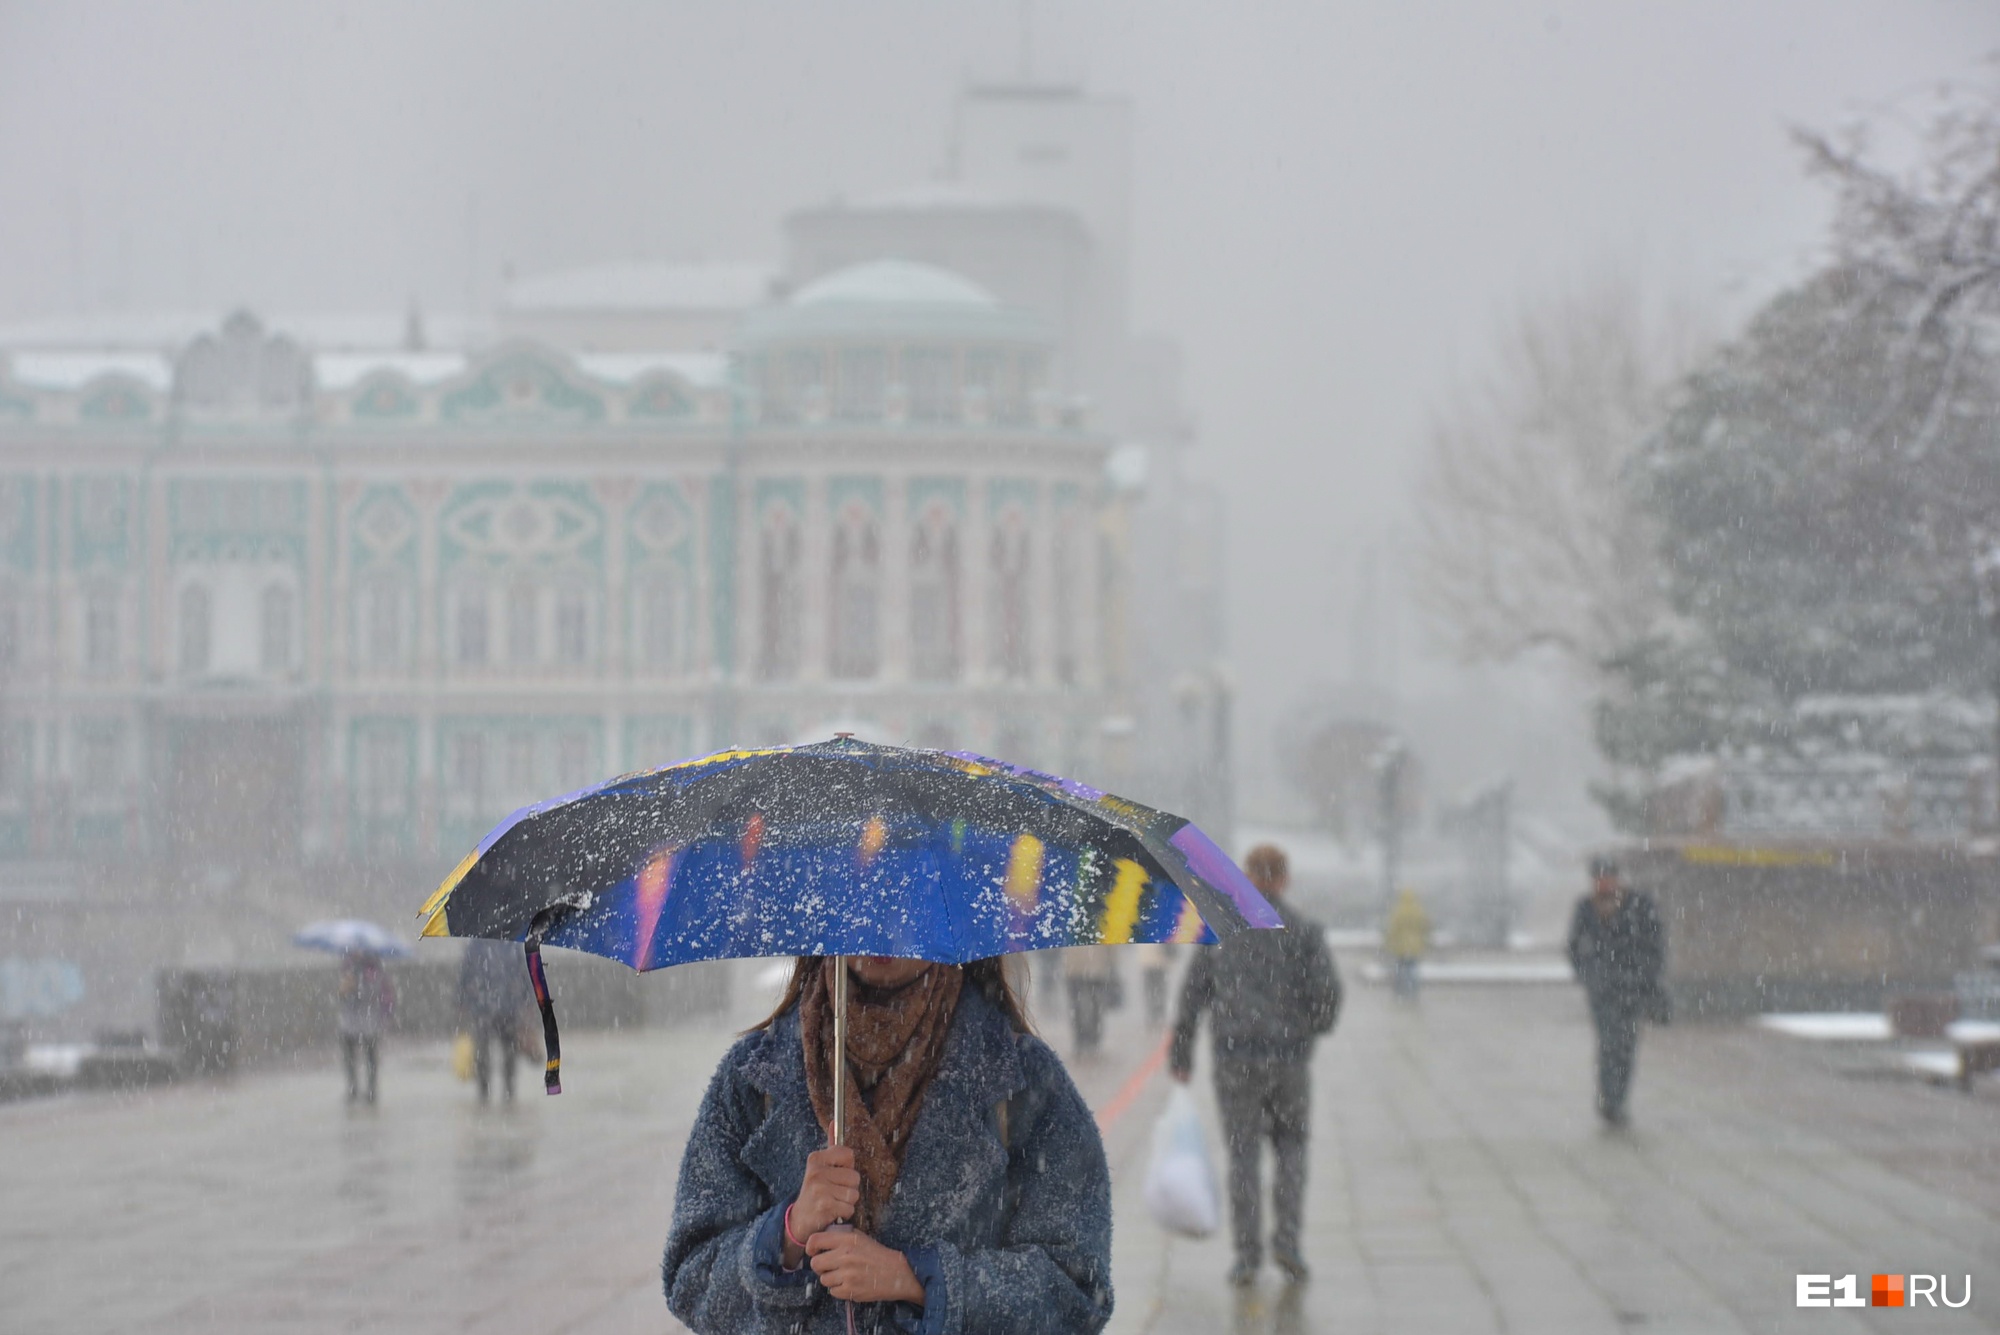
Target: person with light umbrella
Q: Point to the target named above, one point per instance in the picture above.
(892, 1150)
(364, 995)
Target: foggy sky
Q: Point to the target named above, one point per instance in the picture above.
(1335, 202)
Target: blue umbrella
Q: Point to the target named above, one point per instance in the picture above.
(342, 936)
(839, 848)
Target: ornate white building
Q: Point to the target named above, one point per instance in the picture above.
(290, 616)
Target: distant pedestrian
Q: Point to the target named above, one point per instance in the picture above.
(366, 1001)
(1406, 937)
(1091, 973)
(492, 993)
(1271, 995)
(1154, 962)
(1618, 949)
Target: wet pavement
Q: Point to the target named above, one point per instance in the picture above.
(1459, 1184)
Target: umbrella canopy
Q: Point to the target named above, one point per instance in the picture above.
(843, 848)
(343, 936)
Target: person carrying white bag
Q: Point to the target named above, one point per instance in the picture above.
(1180, 1180)
(1269, 997)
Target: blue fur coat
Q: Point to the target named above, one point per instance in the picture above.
(1003, 1205)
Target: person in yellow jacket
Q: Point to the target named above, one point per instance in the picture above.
(1406, 937)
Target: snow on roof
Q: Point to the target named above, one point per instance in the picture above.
(344, 370)
(163, 330)
(640, 286)
(894, 283)
(74, 370)
(705, 370)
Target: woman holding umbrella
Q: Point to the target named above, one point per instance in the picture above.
(972, 1173)
(892, 1150)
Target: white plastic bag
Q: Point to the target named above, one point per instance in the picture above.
(1180, 1181)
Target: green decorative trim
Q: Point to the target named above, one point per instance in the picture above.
(948, 490)
(866, 491)
(520, 386)
(384, 396)
(660, 395)
(1002, 492)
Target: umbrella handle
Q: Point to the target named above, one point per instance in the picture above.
(839, 1128)
(551, 1042)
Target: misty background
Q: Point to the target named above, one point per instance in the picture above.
(1334, 209)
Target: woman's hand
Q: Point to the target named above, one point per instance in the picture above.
(859, 1269)
(829, 1194)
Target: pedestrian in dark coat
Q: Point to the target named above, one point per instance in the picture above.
(364, 1002)
(973, 1172)
(1618, 949)
(493, 990)
(1269, 995)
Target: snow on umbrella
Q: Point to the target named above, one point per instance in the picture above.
(343, 936)
(839, 848)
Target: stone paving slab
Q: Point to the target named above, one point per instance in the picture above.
(1458, 1184)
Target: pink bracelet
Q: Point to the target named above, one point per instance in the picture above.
(788, 1227)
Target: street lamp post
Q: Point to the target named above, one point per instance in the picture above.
(1388, 764)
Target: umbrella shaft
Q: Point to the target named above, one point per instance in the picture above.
(840, 1049)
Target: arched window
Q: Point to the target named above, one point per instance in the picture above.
(382, 622)
(194, 629)
(934, 612)
(469, 630)
(572, 626)
(780, 601)
(523, 613)
(1064, 603)
(1009, 602)
(659, 615)
(857, 567)
(275, 629)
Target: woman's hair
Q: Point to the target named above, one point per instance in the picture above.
(990, 976)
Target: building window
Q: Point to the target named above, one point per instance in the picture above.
(572, 627)
(194, 629)
(572, 761)
(934, 614)
(931, 375)
(470, 637)
(780, 610)
(523, 635)
(1009, 607)
(660, 622)
(10, 630)
(863, 372)
(384, 776)
(275, 625)
(521, 766)
(100, 631)
(382, 623)
(1063, 605)
(468, 769)
(97, 758)
(857, 564)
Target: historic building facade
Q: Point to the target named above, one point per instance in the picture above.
(270, 615)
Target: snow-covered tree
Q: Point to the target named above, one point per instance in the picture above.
(1823, 487)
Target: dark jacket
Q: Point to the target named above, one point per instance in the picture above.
(1003, 1205)
(1272, 993)
(493, 981)
(1619, 958)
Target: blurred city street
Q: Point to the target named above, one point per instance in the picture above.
(1459, 1184)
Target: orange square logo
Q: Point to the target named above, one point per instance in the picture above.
(1887, 1291)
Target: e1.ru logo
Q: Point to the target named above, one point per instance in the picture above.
(1883, 1291)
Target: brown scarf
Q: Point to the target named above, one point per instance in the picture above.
(895, 1041)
